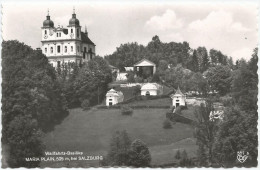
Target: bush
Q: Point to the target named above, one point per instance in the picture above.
(178, 110)
(178, 155)
(167, 124)
(85, 104)
(169, 115)
(184, 107)
(126, 110)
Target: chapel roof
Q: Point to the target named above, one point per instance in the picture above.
(149, 86)
(144, 62)
(178, 92)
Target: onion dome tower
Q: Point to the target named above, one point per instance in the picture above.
(48, 22)
(74, 26)
(74, 21)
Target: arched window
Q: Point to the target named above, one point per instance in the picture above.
(57, 34)
(71, 48)
(51, 49)
(65, 49)
(71, 30)
(147, 93)
(45, 32)
(45, 50)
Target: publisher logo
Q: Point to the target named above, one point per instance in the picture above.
(242, 156)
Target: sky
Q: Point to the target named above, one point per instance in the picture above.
(230, 27)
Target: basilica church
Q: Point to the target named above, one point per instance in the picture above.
(65, 45)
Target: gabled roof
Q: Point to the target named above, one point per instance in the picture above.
(144, 62)
(85, 39)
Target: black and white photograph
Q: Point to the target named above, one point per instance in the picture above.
(128, 83)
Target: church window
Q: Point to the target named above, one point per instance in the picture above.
(77, 33)
(51, 49)
(58, 48)
(65, 49)
(71, 48)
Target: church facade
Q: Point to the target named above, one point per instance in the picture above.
(66, 45)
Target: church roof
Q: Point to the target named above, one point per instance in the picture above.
(113, 92)
(85, 39)
(144, 62)
(178, 92)
(149, 86)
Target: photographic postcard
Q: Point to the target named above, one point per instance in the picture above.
(155, 84)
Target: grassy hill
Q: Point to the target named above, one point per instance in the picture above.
(91, 131)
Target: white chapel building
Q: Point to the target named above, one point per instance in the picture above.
(178, 99)
(151, 89)
(113, 97)
(65, 45)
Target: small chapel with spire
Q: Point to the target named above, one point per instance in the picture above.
(178, 99)
(66, 45)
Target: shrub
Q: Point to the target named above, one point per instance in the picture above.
(178, 110)
(167, 124)
(184, 107)
(126, 110)
(85, 104)
(169, 115)
(178, 155)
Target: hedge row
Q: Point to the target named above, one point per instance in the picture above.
(179, 118)
(133, 107)
(138, 98)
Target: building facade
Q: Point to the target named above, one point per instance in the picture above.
(66, 45)
(113, 97)
(178, 99)
(151, 89)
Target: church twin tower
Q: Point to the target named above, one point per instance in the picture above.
(65, 45)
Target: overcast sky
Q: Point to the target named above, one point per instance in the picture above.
(230, 27)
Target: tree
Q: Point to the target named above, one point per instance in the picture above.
(244, 84)
(202, 57)
(140, 155)
(178, 154)
(194, 63)
(24, 141)
(32, 101)
(204, 132)
(198, 83)
(118, 154)
(238, 132)
(92, 82)
(219, 78)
